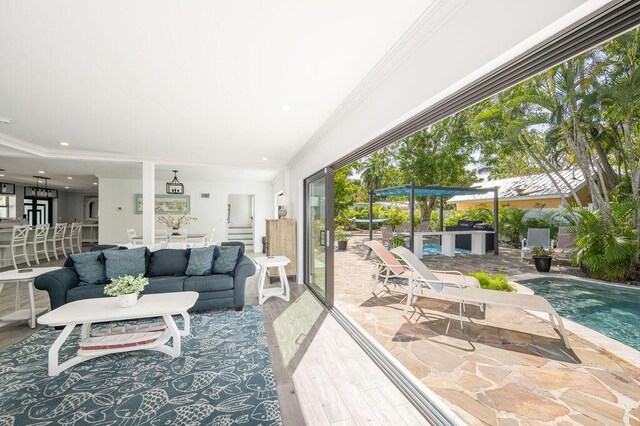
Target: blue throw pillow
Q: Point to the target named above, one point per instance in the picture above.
(226, 259)
(200, 261)
(89, 267)
(124, 262)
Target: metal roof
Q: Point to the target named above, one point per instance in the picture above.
(430, 191)
(530, 186)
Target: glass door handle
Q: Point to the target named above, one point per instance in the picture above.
(327, 239)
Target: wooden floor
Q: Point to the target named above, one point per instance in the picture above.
(323, 376)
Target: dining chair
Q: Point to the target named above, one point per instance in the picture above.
(180, 238)
(132, 235)
(19, 235)
(40, 236)
(57, 237)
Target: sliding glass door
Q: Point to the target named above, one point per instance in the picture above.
(318, 235)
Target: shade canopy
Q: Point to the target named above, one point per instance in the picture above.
(412, 191)
(429, 191)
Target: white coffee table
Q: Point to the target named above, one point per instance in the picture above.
(21, 279)
(106, 309)
(265, 263)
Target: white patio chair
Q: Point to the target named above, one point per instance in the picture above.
(40, 237)
(57, 237)
(17, 246)
(536, 237)
(390, 267)
(457, 293)
(74, 238)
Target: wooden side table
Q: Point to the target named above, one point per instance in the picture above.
(283, 292)
(21, 279)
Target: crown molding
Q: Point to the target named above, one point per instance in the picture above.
(29, 149)
(430, 21)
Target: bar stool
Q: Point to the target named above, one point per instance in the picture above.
(19, 235)
(73, 237)
(58, 237)
(40, 237)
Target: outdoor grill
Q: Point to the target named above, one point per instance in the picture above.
(464, 241)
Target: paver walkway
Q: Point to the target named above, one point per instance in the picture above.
(505, 368)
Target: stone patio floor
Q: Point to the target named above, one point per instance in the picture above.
(503, 368)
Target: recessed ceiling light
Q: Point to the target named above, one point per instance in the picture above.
(66, 187)
(95, 183)
(64, 143)
(1, 174)
(264, 158)
(41, 172)
(5, 120)
(69, 177)
(285, 108)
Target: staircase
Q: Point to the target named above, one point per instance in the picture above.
(242, 233)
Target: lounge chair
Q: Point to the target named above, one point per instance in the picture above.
(386, 236)
(457, 293)
(536, 237)
(565, 240)
(390, 267)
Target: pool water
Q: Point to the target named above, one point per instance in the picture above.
(436, 249)
(611, 310)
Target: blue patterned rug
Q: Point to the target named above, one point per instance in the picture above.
(224, 377)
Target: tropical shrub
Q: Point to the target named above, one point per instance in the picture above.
(496, 282)
(397, 241)
(511, 225)
(602, 251)
(473, 213)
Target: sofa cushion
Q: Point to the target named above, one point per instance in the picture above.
(200, 261)
(167, 262)
(89, 267)
(125, 262)
(208, 283)
(164, 285)
(85, 292)
(236, 244)
(226, 259)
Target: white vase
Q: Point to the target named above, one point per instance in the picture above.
(128, 300)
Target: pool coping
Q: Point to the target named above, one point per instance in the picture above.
(608, 344)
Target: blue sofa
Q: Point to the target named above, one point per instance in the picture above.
(166, 273)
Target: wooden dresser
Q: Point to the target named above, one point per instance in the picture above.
(281, 241)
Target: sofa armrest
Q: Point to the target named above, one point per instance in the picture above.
(57, 283)
(244, 269)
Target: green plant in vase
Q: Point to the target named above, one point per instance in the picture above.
(127, 288)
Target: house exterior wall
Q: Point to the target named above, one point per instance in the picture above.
(529, 203)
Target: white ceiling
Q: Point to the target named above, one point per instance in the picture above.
(84, 172)
(200, 81)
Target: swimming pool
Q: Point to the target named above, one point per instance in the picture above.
(611, 310)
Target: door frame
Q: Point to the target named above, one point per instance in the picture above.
(34, 203)
(327, 174)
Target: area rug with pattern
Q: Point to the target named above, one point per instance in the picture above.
(223, 377)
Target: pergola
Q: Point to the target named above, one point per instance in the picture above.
(412, 191)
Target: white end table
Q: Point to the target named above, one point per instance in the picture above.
(106, 309)
(283, 292)
(23, 278)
